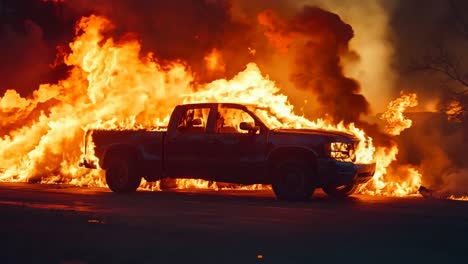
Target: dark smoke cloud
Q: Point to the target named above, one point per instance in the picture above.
(25, 57)
(437, 23)
(320, 38)
(30, 31)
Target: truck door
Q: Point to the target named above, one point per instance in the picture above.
(238, 155)
(186, 152)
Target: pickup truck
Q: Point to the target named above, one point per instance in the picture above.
(229, 142)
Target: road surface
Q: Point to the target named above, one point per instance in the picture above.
(67, 224)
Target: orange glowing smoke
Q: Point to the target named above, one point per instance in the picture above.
(112, 85)
(214, 61)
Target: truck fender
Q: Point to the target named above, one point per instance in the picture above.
(291, 152)
(121, 150)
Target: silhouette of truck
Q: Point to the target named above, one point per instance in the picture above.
(228, 142)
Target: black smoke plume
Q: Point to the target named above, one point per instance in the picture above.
(320, 39)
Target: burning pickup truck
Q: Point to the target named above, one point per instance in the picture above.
(228, 142)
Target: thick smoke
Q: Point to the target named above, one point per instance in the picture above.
(439, 24)
(373, 42)
(25, 57)
(30, 31)
(436, 146)
(319, 39)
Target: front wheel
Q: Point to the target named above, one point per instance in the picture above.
(121, 176)
(340, 191)
(293, 180)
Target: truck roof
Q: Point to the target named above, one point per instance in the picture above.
(209, 104)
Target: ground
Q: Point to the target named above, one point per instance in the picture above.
(67, 224)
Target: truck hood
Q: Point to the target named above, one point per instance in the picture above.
(334, 134)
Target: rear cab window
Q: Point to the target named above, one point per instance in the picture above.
(193, 120)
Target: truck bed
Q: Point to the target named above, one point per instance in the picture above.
(149, 143)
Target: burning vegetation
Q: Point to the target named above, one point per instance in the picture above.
(116, 80)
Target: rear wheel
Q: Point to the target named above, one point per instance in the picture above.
(293, 180)
(340, 191)
(122, 176)
(166, 184)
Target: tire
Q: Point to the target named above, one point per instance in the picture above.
(340, 191)
(166, 184)
(122, 176)
(293, 180)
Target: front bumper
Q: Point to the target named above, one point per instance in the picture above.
(336, 173)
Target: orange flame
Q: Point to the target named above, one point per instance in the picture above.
(460, 198)
(112, 85)
(408, 180)
(454, 110)
(394, 118)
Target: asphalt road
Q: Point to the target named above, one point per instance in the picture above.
(66, 224)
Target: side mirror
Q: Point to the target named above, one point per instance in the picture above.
(196, 122)
(249, 127)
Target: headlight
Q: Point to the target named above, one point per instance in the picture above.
(342, 151)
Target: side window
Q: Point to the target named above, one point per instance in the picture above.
(193, 120)
(229, 119)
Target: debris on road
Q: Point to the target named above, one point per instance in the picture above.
(432, 194)
(96, 221)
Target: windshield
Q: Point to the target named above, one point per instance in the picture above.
(268, 117)
(276, 118)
